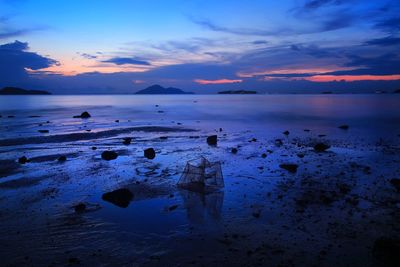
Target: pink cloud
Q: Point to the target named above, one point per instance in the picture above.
(219, 81)
(352, 78)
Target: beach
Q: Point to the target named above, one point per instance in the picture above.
(284, 201)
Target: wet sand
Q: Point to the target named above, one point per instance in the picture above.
(338, 208)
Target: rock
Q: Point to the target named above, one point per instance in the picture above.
(23, 160)
(116, 120)
(173, 207)
(321, 147)
(264, 155)
(212, 140)
(386, 250)
(286, 132)
(84, 115)
(344, 127)
(81, 207)
(234, 150)
(396, 183)
(94, 148)
(43, 131)
(120, 197)
(289, 167)
(109, 155)
(62, 158)
(150, 153)
(278, 142)
(127, 141)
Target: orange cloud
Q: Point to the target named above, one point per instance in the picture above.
(352, 78)
(220, 81)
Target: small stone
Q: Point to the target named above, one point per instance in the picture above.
(212, 140)
(234, 150)
(289, 167)
(109, 155)
(23, 160)
(286, 132)
(62, 158)
(344, 127)
(150, 153)
(120, 197)
(321, 147)
(127, 141)
(81, 207)
(43, 131)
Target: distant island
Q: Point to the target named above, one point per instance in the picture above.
(159, 90)
(239, 92)
(20, 91)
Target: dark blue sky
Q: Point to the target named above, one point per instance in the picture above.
(122, 46)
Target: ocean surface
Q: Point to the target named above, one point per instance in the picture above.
(371, 115)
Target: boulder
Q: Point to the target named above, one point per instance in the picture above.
(150, 153)
(120, 197)
(109, 155)
(212, 140)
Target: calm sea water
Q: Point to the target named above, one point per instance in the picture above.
(367, 115)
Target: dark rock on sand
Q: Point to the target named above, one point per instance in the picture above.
(127, 141)
(84, 115)
(150, 153)
(109, 155)
(289, 167)
(264, 155)
(344, 127)
(387, 251)
(234, 150)
(321, 147)
(43, 131)
(81, 207)
(120, 197)
(396, 183)
(62, 158)
(212, 140)
(286, 132)
(23, 160)
(278, 142)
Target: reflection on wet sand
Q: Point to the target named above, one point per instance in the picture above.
(202, 208)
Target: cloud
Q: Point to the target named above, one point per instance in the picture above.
(126, 61)
(15, 59)
(391, 25)
(315, 4)
(259, 42)
(219, 81)
(386, 41)
(87, 56)
(6, 31)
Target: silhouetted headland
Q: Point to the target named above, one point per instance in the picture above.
(239, 92)
(159, 90)
(20, 91)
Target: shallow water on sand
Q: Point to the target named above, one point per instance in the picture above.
(329, 212)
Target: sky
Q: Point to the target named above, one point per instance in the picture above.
(202, 46)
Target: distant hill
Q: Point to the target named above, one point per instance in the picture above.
(159, 90)
(20, 91)
(239, 92)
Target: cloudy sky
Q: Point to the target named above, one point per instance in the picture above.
(122, 46)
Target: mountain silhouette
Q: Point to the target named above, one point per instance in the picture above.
(159, 90)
